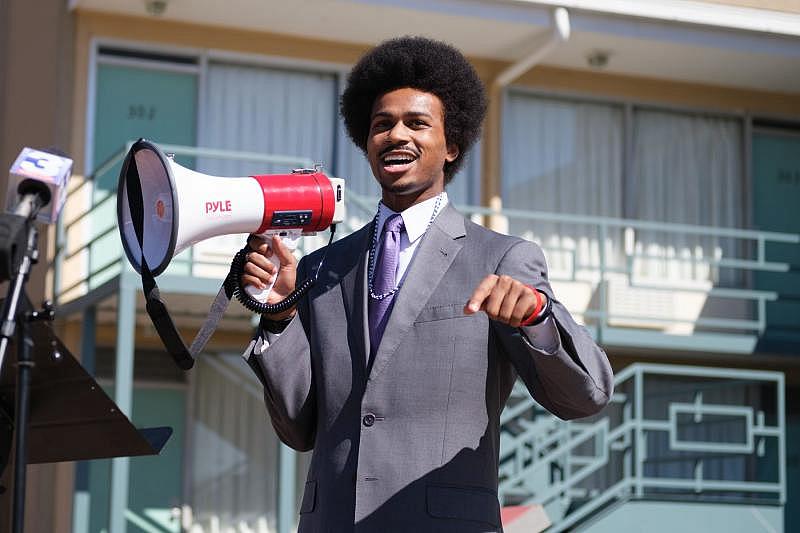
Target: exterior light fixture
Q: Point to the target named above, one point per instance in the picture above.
(598, 58)
(155, 7)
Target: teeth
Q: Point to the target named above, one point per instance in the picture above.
(398, 160)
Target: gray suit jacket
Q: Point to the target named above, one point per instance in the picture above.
(411, 443)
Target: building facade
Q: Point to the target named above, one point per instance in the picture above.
(653, 149)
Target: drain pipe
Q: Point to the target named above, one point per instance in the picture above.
(557, 33)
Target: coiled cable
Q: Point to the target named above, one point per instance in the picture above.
(233, 284)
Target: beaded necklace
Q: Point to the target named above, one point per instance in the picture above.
(373, 249)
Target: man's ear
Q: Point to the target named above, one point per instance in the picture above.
(452, 152)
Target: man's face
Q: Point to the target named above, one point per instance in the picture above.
(406, 147)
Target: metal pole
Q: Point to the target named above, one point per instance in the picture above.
(24, 367)
(81, 505)
(123, 397)
(15, 321)
(603, 287)
(287, 471)
(17, 287)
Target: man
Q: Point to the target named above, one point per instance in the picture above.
(396, 366)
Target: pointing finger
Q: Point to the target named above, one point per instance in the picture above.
(480, 294)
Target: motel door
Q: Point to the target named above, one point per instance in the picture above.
(776, 197)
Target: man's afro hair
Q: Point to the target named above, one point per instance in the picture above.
(424, 64)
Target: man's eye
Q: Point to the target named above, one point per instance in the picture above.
(418, 123)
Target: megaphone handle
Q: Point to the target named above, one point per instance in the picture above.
(261, 295)
(290, 241)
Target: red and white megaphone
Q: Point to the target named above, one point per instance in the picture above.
(180, 207)
(163, 208)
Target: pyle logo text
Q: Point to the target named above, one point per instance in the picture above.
(218, 207)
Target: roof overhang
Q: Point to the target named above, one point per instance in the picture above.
(672, 39)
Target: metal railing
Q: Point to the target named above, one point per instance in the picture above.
(603, 279)
(617, 254)
(669, 433)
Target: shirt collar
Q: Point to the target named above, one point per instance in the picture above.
(415, 218)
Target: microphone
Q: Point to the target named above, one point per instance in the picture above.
(37, 184)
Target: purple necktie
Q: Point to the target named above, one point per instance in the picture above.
(384, 281)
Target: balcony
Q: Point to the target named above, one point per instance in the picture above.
(678, 449)
(633, 283)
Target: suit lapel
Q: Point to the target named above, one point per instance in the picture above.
(353, 294)
(433, 257)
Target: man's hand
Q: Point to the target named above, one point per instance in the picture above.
(503, 298)
(259, 271)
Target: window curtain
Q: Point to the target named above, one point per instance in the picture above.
(267, 111)
(566, 157)
(465, 187)
(233, 482)
(686, 169)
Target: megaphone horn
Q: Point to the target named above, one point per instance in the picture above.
(180, 207)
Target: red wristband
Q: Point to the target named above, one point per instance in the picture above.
(540, 300)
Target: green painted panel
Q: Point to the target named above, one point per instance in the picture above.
(138, 102)
(134, 102)
(776, 197)
(155, 481)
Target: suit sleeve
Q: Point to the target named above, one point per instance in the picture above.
(575, 379)
(284, 369)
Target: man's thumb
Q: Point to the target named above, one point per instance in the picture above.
(283, 253)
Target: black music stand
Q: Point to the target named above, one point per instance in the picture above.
(70, 416)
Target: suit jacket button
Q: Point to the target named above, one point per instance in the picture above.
(368, 419)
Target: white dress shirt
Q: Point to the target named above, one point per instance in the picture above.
(416, 220)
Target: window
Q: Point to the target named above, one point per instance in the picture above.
(569, 156)
(563, 156)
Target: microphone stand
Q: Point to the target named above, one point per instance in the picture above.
(15, 320)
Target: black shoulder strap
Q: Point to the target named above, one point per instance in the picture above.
(184, 357)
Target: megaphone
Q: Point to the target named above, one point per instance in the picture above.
(163, 208)
(180, 207)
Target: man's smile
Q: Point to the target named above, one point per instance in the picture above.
(398, 160)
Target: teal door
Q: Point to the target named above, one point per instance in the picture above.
(155, 481)
(133, 102)
(776, 198)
